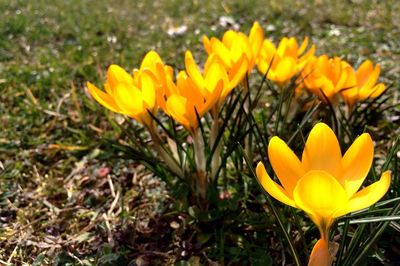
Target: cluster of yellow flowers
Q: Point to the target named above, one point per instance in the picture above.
(152, 85)
(323, 184)
(330, 77)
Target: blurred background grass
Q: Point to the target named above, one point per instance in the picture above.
(53, 190)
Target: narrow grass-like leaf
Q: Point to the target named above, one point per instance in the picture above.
(229, 113)
(372, 220)
(306, 117)
(287, 236)
(373, 237)
(343, 240)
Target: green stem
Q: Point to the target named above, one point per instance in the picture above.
(201, 180)
(167, 158)
(216, 156)
(248, 147)
(324, 231)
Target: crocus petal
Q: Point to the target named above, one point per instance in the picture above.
(176, 107)
(223, 53)
(116, 75)
(150, 60)
(291, 49)
(239, 47)
(129, 99)
(207, 44)
(285, 163)
(336, 72)
(371, 91)
(306, 57)
(372, 78)
(369, 195)
(103, 98)
(229, 37)
(356, 163)
(285, 69)
(272, 187)
(374, 92)
(192, 70)
(267, 53)
(351, 80)
(148, 86)
(188, 89)
(320, 194)
(212, 99)
(322, 151)
(216, 73)
(256, 38)
(282, 46)
(303, 46)
(320, 255)
(364, 71)
(237, 73)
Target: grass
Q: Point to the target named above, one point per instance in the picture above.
(68, 199)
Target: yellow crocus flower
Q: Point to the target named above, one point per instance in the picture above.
(285, 61)
(323, 184)
(194, 92)
(327, 77)
(230, 80)
(366, 86)
(134, 95)
(236, 46)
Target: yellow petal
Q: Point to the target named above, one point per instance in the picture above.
(350, 96)
(116, 75)
(303, 46)
(356, 163)
(320, 255)
(268, 49)
(320, 194)
(237, 73)
(216, 72)
(335, 73)
(291, 49)
(192, 70)
(372, 78)
(207, 44)
(282, 46)
(370, 195)
(364, 71)
(351, 79)
(103, 98)
(229, 38)
(135, 74)
(267, 56)
(256, 38)
(223, 53)
(150, 60)
(176, 107)
(239, 48)
(285, 69)
(272, 187)
(148, 86)
(374, 92)
(188, 89)
(129, 99)
(212, 99)
(285, 163)
(322, 151)
(303, 60)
